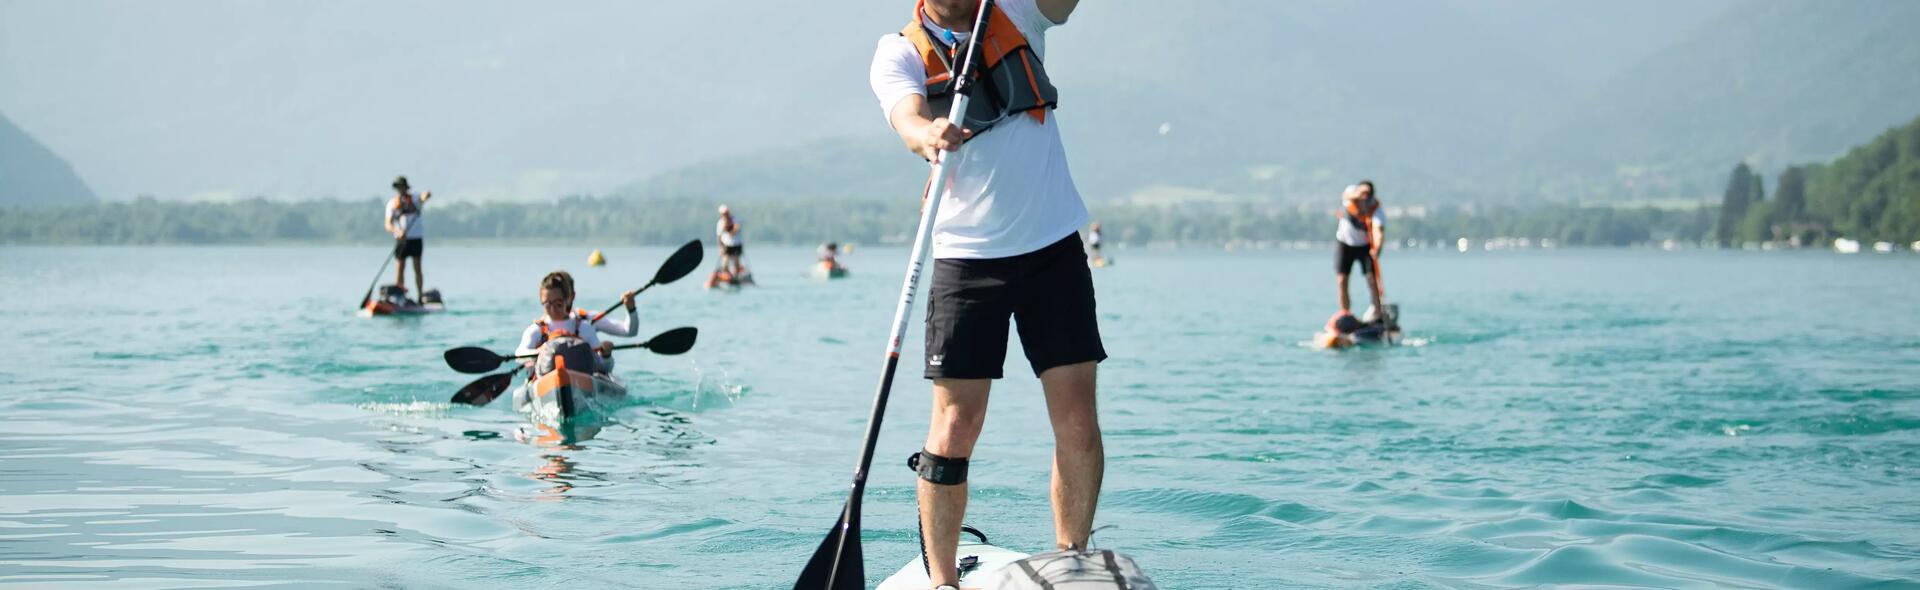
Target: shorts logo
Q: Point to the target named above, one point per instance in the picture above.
(934, 361)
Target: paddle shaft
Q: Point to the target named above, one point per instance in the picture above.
(376, 276)
(617, 304)
(929, 212)
(537, 355)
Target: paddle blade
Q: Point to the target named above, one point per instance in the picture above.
(682, 262)
(482, 391)
(473, 359)
(675, 341)
(837, 564)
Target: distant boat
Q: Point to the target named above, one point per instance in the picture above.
(1846, 246)
(1883, 247)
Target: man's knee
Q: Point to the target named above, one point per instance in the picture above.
(1072, 401)
(959, 413)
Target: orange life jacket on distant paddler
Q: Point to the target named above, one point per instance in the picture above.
(1014, 81)
(1361, 215)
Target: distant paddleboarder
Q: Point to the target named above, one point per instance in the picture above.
(1006, 245)
(403, 221)
(1358, 238)
(732, 248)
(1093, 246)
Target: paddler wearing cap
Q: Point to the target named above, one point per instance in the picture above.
(1006, 244)
(1361, 232)
(403, 221)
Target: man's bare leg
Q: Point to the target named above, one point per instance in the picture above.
(959, 410)
(1079, 457)
(419, 281)
(400, 274)
(1346, 303)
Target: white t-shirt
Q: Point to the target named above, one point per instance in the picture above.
(1010, 192)
(589, 332)
(724, 229)
(1351, 234)
(409, 223)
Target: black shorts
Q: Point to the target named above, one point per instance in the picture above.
(733, 250)
(1344, 258)
(408, 248)
(1048, 292)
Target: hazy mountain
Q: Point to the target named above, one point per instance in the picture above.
(1436, 99)
(1771, 83)
(32, 175)
(1294, 99)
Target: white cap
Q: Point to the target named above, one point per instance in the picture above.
(723, 209)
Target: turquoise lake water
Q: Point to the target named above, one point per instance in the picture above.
(211, 417)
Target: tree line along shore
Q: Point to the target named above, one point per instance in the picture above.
(1871, 194)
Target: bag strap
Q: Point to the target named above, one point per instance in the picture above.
(1114, 568)
(1034, 575)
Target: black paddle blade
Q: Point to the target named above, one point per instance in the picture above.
(473, 359)
(682, 262)
(837, 564)
(675, 341)
(482, 391)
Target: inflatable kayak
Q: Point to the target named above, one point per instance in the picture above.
(978, 561)
(570, 402)
(829, 270)
(393, 301)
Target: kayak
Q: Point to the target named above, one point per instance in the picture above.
(570, 401)
(1099, 261)
(828, 270)
(978, 561)
(393, 302)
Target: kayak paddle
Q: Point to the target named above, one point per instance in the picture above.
(474, 359)
(376, 277)
(682, 262)
(482, 391)
(837, 564)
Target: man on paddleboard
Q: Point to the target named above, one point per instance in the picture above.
(1006, 245)
(1362, 231)
(727, 233)
(403, 221)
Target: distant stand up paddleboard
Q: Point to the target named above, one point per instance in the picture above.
(393, 301)
(1380, 328)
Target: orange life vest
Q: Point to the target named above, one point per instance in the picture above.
(1361, 216)
(549, 332)
(404, 204)
(1012, 80)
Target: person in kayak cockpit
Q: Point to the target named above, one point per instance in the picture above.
(560, 321)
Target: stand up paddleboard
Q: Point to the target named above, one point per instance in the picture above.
(978, 562)
(393, 301)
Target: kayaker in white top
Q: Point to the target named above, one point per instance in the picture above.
(561, 319)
